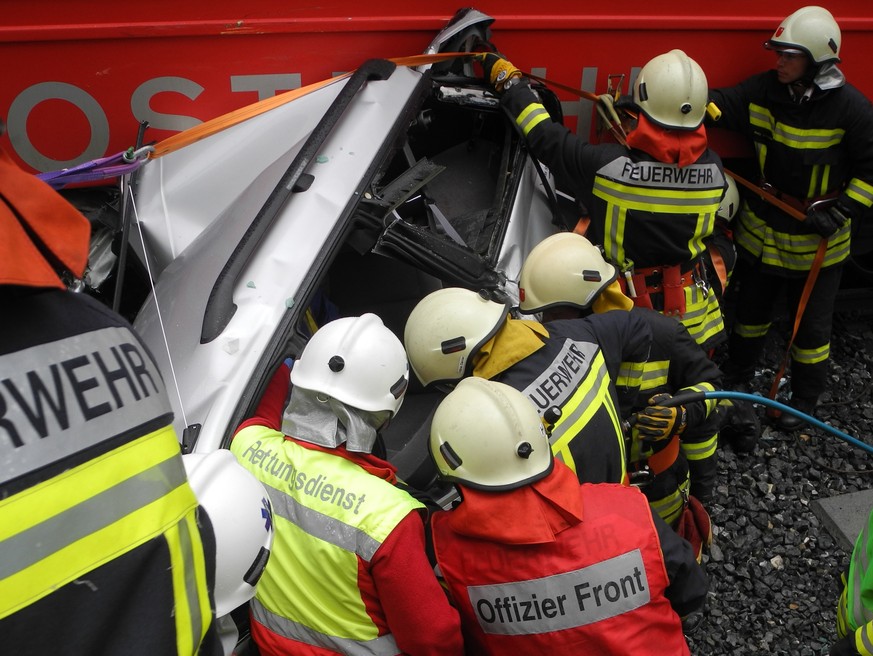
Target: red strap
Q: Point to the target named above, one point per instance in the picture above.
(674, 291)
(801, 307)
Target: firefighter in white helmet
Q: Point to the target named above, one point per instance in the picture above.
(348, 572)
(652, 203)
(576, 366)
(523, 555)
(672, 454)
(813, 137)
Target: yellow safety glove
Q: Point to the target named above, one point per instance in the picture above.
(497, 69)
(658, 422)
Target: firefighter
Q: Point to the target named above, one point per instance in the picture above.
(653, 202)
(348, 573)
(105, 549)
(673, 449)
(813, 138)
(576, 366)
(538, 564)
(855, 608)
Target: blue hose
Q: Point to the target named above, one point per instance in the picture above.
(688, 397)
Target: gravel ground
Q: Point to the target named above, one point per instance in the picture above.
(773, 568)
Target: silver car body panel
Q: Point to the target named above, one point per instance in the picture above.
(206, 380)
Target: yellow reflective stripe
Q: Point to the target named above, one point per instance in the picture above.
(810, 356)
(661, 201)
(810, 139)
(761, 151)
(591, 396)
(654, 374)
(864, 640)
(713, 323)
(751, 331)
(794, 252)
(613, 239)
(192, 611)
(700, 450)
(709, 404)
(811, 191)
(531, 116)
(631, 374)
(860, 191)
(825, 180)
(56, 531)
(842, 615)
(670, 507)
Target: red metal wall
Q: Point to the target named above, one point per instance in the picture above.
(80, 75)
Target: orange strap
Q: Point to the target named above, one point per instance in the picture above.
(664, 459)
(767, 196)
(719, 266)
(801, 306)
(225, 121)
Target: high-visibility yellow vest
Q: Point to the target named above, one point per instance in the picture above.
(329, 514)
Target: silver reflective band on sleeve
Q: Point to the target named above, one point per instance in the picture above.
(381, 646)
(563, 601)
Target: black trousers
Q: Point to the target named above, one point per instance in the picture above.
(758, 297)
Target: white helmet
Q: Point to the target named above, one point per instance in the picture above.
(357, 361)
(811, 31)
(241, 515)
(489, 436)
(563, 269)
(446, 329)
(730, 202)
(671, 90)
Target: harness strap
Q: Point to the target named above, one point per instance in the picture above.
(801, 306)
(800, 204)
(660, 461)
(670, 281)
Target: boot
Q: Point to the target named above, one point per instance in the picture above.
(742, 427)
(789, 422)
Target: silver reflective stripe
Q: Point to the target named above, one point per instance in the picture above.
(29, 547)
(566, 422)
(563, 601)
(659, 175)
(381, 646)
(191, 591)
(63, 397)
(557, 383)
(331, 530)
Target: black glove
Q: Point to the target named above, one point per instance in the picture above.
(845, 646)
(827, 220)
(657, 422)
(497, 69)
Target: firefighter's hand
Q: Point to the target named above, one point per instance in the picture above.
(845, 647)
(497, 69)
(658, 422)
(827, 220)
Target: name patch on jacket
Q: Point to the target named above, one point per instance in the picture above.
(563, 601)
(59, 398)
(658, 174)
(555, 385)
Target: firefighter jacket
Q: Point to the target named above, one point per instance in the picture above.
(577, 370)
(102, 548)
(336, 515)
(646, 214)
(855, 608)
(555, 567)
(822, 147)
(676, 364)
